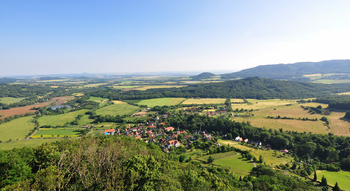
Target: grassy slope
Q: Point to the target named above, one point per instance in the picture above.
(60, 119)
(232, 160)
(9, 100)
(342, 177)
(16, 129)
(269, 156)
(159, 86)
(51, 132)
(27, 143)
(117, 109)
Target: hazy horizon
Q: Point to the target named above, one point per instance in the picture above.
(64, 37)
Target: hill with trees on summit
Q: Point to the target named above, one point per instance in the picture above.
(289, 71)
(252, 87)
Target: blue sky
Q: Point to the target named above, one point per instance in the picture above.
(55, 37)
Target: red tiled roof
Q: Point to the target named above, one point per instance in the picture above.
(109, 130)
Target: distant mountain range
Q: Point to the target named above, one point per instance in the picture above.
(287, 71)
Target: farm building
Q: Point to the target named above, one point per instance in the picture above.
(109, 132)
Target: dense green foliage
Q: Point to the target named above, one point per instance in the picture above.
(254, 87)
(122, 163)
(336, 101)
(288, 71)
(324, 148)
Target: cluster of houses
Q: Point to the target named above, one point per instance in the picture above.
(164, 136)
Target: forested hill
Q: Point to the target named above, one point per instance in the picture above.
(253, 87)
(287, 71)
(202, 76)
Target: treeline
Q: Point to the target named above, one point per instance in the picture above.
(252, 87)
(324, 148)
(336, 101)
(122, 163)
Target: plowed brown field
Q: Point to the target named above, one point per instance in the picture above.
(26, 109)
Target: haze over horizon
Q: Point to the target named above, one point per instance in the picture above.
(65, 37)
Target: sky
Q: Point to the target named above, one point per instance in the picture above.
(65, 37)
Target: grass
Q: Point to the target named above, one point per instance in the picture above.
(117, 109)
(205, 101)
(56, 133)
(232, 160)
(269, 156)
(342, 177)
(9, 100)
(101, 100)
(157, 101)
(25, 143)
(16, 129)
(61, 119)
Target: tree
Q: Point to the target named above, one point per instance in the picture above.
(261, 159)
(229, 136)
(210, 159)
(336, 187)
(315, 176)
(324, 181)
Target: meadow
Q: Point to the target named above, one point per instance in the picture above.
(269, 156)
(232, 160)
(342, 177)
(60, 119)
(93, 85)
(9, 100)
(16, 129)
(117, 109)
(101, 100)
(25, 143)
(56, 133)
(205, 101)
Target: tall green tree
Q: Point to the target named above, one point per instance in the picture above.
(336, 187)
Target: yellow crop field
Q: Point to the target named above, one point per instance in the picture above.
(176, 101)
(205, 101)
(338, 125)
(119, 102)
(262, 104)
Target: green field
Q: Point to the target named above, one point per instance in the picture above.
(61, 119)
(16, 129)
(342, 177)
(232, 160)
(157, 101)
(101, 100)
(117, 109)
(205, 101)
(269, 156)
(61, 132)
(9, 100)
(26, 143)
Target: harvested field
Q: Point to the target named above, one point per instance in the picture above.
(176, 101)
(27, 109)
(312, 75)
(119, 102)
(205, 101)
(261, 104)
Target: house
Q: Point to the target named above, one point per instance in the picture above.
(173, 143)
(169, 129)
(109, 132)
(284, 151)
(188, 137)
(183, 131)
(246, 140)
